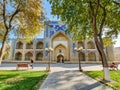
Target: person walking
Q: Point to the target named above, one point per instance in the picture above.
(31, 63)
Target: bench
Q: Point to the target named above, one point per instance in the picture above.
(113, 66)
(22, 65)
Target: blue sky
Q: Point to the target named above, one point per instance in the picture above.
(47, 8)
(48, 15)
(47, 11)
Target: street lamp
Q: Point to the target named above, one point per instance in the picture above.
(78, 50)
(49, 50)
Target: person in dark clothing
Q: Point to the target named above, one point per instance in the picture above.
(62, 61)
(31, 63)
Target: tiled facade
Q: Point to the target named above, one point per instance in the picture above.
(62, 44)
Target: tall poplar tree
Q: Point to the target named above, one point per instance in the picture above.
(88, 19)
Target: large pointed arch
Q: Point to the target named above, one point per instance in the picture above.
(60, 38)
(60, 32)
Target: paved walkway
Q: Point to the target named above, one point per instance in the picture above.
(64, 79)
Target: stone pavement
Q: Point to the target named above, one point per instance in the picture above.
(71, 80)
(62, 78)
(55, 67)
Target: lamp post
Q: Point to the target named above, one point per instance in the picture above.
(49, 50)
(78, 50)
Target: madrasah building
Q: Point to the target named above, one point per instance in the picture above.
(63, 48)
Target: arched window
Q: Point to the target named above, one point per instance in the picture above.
(18, 56)
(19, 45)
(90, 45)
(28, 56)
(39, 56)
(39, 45)
(29, 45)
(92, 56)
(80, 44)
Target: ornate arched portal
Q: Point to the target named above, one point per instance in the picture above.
(60, 52)
(61, 45)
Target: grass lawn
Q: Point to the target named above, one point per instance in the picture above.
(114, 75)
(21, 80)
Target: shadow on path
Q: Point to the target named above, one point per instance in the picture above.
(71, 80)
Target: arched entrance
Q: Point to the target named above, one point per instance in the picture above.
(60, 58)
(60, 52)
(61, 45)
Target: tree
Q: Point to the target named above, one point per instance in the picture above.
(6, 53)
(20, 17)
(89, 19)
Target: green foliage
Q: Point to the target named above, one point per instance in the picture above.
(107, 41)
(77, 14)
(21, 17)
(115, 77)
(21, 80)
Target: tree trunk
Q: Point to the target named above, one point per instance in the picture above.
(100, 49)
(3, 46)
(104, 61)
(2, 51)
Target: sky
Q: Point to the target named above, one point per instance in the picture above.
(117, 43)
(47, 8)
(49, 16)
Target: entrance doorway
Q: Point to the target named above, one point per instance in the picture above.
(60, 58)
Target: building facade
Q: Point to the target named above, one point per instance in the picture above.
(117, 54)
(62, 44)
